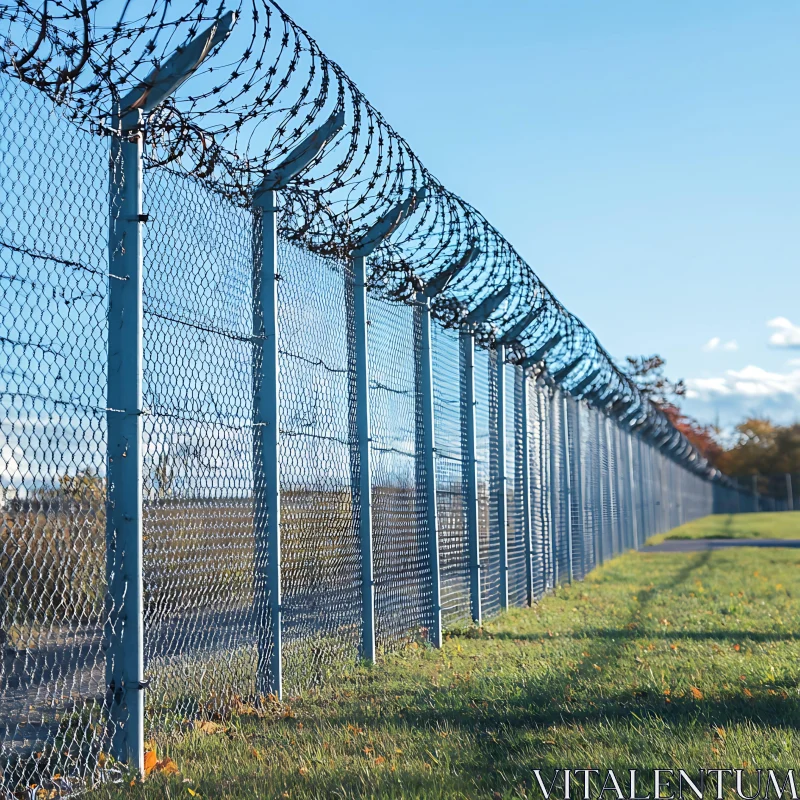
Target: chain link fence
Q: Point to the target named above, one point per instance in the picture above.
(559, 485)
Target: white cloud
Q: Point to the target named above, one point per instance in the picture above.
(715, 343)
(13, 466)
(749, 392)
(748, 382)
(786, 334)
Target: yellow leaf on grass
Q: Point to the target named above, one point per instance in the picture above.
(150, 761)
(737, 648)
(192, 792)
(167, 766)
(696, 693)
(380, 760)
(254, 753)
(209, 727)
(747, 693)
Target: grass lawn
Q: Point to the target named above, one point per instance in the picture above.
(656, 660)
(767, 525)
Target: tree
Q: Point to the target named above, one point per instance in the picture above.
(763, 448)
(647, 372)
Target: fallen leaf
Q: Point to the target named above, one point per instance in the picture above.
(737, 647)
(209, 727)
(696, 693)
(150, 761)
(380, 760)
(192, 792)
(747, 693)
(167, 766)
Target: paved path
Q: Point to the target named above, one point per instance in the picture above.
(695, 545)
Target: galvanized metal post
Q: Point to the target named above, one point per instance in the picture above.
(552, 406)
(125, 627)
(789, 493)
(755, 493)
(608, 545)
(364, 445)
(577, 489)
(641, 522)
(599, 498)
(565, 440)
(526, 488)
(427, 459)
(467, 339)
(124, 630)
(502, 477)
(545, 450)
(266, 444)
(634, 526)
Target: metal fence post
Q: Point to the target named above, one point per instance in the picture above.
(266, 443)
(755, 493)
(125, 626)
(613, 505)
(633, 522)
(425, 420)
(599, 557)
(546, 446)
(467, 339)
(789, 493)
(553, 468)
(502, 477)
(363, 489)
(565, 439)
(578, 488)
(526, 488)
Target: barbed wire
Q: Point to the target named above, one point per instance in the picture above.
(259, 94)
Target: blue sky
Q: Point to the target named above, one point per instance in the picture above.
(642, 156)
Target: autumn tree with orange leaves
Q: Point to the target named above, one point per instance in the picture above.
(648, 373)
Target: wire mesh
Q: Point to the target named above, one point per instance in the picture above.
(576, 504)
(202, 619)
(591, 484)
(558, 489)
(320, 554)
(450, 458)
(400, 538)
(54, 276)
(515, 510)
(488, 472)
(536, 458)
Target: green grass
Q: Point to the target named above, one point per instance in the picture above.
(767, 525)
(656, 660)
